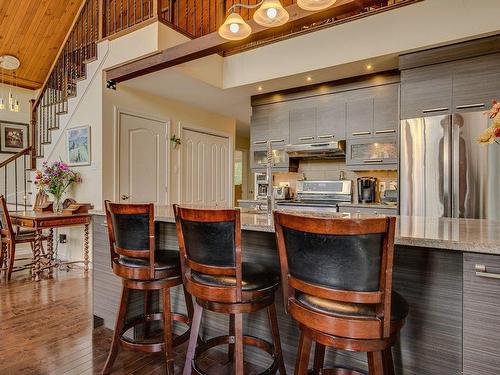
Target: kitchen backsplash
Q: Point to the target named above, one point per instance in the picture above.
(330, 170)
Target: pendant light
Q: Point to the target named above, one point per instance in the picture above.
(235, 28)
(315, 5)
(271, 14)
(12, 63)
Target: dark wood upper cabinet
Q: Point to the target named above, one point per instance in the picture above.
(302, 123)
(331, 117)
(475, 83)
(426, 91)
(385, 109)
(359, 114)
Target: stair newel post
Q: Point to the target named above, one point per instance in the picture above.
(32, 135)
(156, 8)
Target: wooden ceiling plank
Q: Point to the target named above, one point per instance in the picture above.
(213, 43)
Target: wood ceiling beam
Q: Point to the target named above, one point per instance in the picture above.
(213, 43)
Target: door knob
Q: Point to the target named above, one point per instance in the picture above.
(125, 197)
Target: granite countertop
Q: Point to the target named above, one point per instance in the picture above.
(369, 205)
(469, 235)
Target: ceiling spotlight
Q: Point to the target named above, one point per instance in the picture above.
(315, 5)
(309, 79)
(369, 67)
(259, 88)
(234, 28)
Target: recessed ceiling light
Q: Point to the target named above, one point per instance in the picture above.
(369, 67)
(259, 88)
(309, 79)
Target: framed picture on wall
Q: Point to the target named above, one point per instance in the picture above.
(14, 137)
(78, 146)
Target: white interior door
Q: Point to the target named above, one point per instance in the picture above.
(142, 160)
(205, 169)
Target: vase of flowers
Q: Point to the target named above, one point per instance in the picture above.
(492, 134)
(55, 179)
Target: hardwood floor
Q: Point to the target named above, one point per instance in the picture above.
(46, 328)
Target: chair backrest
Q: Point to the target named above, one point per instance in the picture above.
(6, 225)
(340, 259)
(210, 243)
(131, 231)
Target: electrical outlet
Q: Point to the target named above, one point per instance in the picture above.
(63, 238)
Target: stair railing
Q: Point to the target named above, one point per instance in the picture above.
(14, 177)
(79, 48)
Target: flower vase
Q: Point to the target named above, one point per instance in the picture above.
(57, 206)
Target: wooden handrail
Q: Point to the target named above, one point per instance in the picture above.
(61, 50)
(26, 151)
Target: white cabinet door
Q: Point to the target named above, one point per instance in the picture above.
(205, 169)
(142, 160)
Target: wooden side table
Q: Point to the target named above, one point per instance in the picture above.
(49, 220)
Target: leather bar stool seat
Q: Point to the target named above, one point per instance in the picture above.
(253, 277)
(164, 260)
(399, 307)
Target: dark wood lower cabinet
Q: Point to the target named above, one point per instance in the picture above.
(481, 337)
(453, 324)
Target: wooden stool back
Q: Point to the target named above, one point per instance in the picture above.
(210, 244)
(131, 232)
(340, 260)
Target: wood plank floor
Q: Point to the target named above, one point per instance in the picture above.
(46, 329)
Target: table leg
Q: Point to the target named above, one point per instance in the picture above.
(37, 250)
(50, 251)
(86, 248)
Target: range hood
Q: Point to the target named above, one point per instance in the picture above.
(324, 150)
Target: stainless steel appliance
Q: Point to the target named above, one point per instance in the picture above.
(325, 150)
(319, 196)
(261, 186)
(281, 192)
(366, 189)
(444, 171)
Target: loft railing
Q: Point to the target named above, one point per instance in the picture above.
(14, 179)
(120, 15)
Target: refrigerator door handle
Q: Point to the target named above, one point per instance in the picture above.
(447, 169)
(455, 168)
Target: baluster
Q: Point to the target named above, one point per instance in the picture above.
(15, 181)
(135, 11)
(25, 196)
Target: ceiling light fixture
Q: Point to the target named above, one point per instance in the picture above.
(270, 13)
(235, 28)
(12, 63)
(309, 79)
(259, 88)
(315, 5)
(369, 67)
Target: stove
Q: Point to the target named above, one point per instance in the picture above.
(319, 196)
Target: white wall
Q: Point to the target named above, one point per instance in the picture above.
(422, 25)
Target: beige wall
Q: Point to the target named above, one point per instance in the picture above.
(176, 113)
(95, 106)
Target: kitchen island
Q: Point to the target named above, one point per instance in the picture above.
(444, 267)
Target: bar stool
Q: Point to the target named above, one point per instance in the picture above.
(337, 283)
(135, 258)
(213, 272)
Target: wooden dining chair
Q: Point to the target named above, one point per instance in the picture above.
(10, 238)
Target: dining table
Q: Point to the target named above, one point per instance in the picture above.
(48, 221)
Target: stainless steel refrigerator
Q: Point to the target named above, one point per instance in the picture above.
(444, 172)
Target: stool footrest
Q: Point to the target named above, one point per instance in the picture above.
(340, 371)
(247, 340)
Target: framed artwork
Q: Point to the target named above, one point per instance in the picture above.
(78, 146)
(14, 137)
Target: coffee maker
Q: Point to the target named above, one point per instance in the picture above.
(366, 189)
